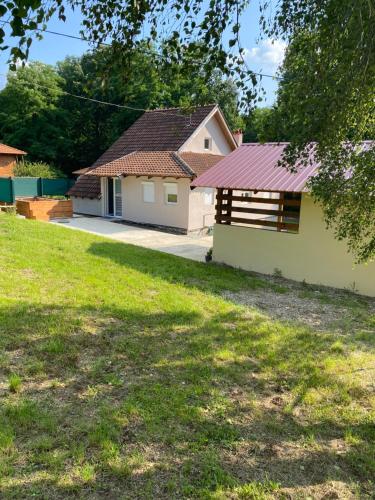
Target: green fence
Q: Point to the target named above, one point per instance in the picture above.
(15, 187)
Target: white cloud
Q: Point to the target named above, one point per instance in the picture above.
(268, 54)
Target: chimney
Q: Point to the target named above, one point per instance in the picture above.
(238, 136)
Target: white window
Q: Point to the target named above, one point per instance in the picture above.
(148, 192)
(170, 193)
(207, 143)
(209, 196)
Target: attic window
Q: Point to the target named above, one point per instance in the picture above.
(207, 143)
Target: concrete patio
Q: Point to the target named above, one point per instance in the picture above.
(190, 247)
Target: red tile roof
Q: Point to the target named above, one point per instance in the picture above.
(150, 163)
(157, 130)
(86, 187)
(149, 148)
(200, 162)
(8, 150)
(253, 166)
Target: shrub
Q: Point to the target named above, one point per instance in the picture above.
(37, 169)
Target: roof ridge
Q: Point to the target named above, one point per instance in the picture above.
(180, 108)
(281, 143)
(196, 153)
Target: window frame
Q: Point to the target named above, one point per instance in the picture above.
(209, 139)
(148, 183)
(209, 192)
(166, 186)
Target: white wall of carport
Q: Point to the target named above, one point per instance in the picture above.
(134, 209)
(87, 206)
(200, 214)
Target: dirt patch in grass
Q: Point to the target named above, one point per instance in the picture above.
(318, 307)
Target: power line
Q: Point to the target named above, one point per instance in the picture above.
(97, 101)
(82, 39)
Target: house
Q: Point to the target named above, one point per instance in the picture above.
(145, 176)
(267, 221)
(8, 159)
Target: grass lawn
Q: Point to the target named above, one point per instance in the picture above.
(125, 373)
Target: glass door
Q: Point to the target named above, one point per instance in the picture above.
(110, 197)
(117, 197)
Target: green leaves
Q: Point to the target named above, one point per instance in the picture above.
(56, 128)
(327, 93)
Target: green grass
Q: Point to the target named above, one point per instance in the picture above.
(125, 374)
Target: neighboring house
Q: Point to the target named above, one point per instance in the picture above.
(145, 176)
(266, 221)
(8, 159)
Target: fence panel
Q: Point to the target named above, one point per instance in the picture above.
(26, 186)
(56, 187)
(16, 187)
(6, 191)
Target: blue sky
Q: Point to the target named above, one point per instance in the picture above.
(261, 55)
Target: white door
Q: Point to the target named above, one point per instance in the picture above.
(117, 197)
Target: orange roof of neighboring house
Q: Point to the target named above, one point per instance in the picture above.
(8, 150)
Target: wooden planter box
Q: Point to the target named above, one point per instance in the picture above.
(44, 208)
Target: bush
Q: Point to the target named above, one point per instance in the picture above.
(37, 169)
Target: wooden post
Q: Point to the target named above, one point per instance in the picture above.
(229, 205)
(280, 217)
(219, 205)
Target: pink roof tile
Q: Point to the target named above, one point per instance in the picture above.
(254, 166)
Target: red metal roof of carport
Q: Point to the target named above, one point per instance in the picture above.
(254, 166)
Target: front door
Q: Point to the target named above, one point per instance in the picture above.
(114, 197)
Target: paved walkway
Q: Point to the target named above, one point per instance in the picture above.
(190, 247)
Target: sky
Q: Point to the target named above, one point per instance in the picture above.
(262, 55)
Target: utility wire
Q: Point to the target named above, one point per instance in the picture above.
(82, 97)
(82, 39)
(97, 101)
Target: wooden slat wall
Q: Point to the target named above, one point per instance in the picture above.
(225, 209)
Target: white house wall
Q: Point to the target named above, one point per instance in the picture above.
(159, 212)
(87, 206)
(212, 129)
(312, 254)
(200, 214)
